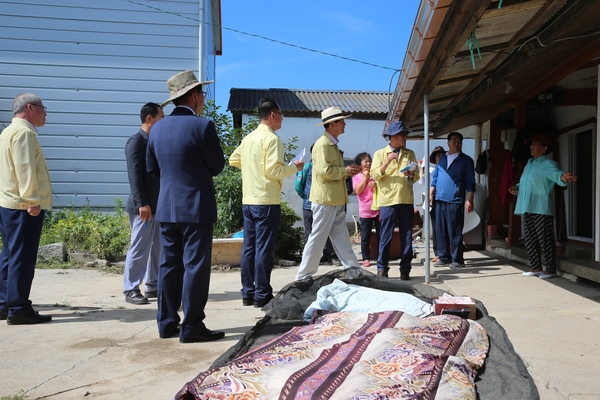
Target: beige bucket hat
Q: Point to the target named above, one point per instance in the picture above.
(181, 83)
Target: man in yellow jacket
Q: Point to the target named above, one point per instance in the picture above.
(25, 192)
(260, 156)
(395, 169)
(329, 197)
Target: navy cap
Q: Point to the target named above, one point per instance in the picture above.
(395, 128)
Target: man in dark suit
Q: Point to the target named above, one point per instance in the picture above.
(185, 151)
(144, 251)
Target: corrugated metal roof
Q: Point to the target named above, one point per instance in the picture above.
(311, 101)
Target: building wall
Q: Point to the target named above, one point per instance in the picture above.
(95, 64)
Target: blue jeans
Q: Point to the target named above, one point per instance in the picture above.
(261, 226)
(366, 225)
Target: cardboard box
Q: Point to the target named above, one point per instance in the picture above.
(455, 309)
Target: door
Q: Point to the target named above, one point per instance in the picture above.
(580, 194)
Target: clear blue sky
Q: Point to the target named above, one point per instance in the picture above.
(375, 31)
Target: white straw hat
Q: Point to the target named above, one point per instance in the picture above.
(332, 114)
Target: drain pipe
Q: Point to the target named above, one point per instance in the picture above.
(426, 218)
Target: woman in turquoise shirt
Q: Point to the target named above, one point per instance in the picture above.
(535, 201)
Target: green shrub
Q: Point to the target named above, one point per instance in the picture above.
(289, 239)
(86, 231)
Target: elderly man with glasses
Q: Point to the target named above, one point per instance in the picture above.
(25, 192)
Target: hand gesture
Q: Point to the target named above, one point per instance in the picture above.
(567, 177)
(513, 190)
(299, 165)
(352, 169)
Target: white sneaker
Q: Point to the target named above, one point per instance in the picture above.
(533, 273)
(547, 276)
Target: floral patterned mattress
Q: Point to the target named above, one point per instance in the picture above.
(382, 355)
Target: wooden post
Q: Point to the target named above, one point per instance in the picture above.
(514, 221)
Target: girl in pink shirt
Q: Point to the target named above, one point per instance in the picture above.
(364, 186)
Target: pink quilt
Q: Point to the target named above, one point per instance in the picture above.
(385, 355)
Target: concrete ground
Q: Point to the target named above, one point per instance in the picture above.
(98, 346)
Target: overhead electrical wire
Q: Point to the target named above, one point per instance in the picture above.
(264, 37)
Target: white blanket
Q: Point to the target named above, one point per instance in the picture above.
(339, 296)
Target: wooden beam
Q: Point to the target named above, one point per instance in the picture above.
(576, 97)
(459, 22)
(498, 76)
(567, 66)
(514, 221)
(583, 54)
(577, 125)
(499, 47)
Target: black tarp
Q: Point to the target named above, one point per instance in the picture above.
(503, 376)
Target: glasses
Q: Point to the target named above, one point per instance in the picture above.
(200, 91)
(278, 112)
(39, 105)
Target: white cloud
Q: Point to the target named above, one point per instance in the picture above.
(349, 22)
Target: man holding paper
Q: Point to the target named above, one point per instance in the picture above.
(260, 157)
(394, 169)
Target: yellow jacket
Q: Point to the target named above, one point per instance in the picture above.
(24, 176)
(260, 157)
(394, 187)
(329, 174)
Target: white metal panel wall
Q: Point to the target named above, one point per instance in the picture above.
(94, 64)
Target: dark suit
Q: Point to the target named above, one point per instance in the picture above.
(185, 151)
(144, 251)
(144, 186)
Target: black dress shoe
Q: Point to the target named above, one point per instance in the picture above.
(175, 332)
(263, 302)
(404, 275)
(135, 297)
(151, 294)
(248, 302)
(207, 336)
(382, 273)
(28, 319)
(3, 315)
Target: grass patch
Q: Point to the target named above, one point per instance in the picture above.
(18, 396)
(55, 264)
